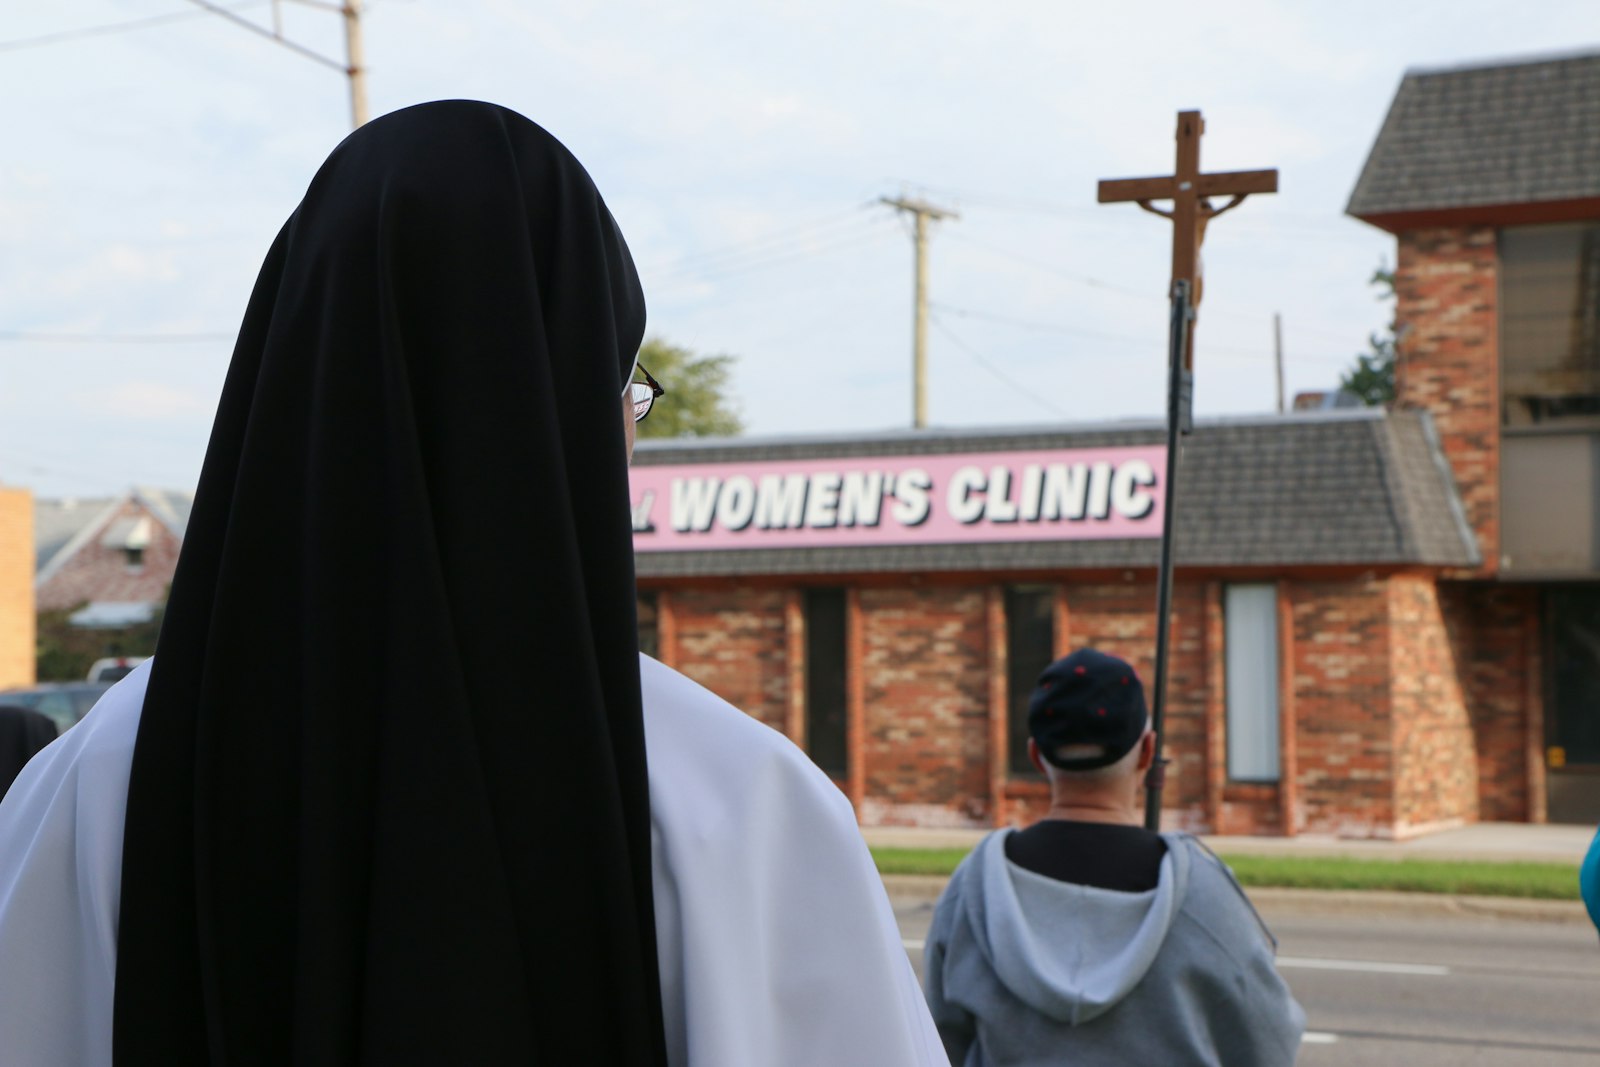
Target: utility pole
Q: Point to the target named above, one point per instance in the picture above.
(921, 211)
(1277, 351)
(355, 63)
(354, 67)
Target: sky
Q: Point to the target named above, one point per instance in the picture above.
(743, 147)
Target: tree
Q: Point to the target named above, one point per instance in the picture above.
(696, 403)
(1372, 378)
(65, 651)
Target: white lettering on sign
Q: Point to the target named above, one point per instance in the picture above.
(1085, 493)
(694, 502)
(912, 505)
(965, 499)
(736, 505)
(822, 503)
(1065, 488)
(780, 502)
(861, 498)
(1129, 489)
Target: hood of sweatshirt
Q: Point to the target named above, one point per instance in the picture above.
(1070, 952)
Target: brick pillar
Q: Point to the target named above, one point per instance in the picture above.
(1063, 623)
(1533, 717)
(994, 614)
(1288, 747)
(794, 638)
(666, 629)
(855, 702)
(1216, 761)
(1446, 285)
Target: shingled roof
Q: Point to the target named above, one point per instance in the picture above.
(1507, 134)
(1334, 488)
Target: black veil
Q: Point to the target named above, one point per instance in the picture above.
(388, 802)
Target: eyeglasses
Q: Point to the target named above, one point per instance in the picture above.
(643, 394)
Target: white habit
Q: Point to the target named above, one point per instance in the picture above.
(778, 947)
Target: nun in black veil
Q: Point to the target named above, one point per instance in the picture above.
(382, 795)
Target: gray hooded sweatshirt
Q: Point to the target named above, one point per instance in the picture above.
(1024, 970)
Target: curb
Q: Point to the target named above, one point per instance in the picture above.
(924, 889)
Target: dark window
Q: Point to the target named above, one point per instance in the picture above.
(826, 725)
(1550, 324)
(135, 557)
(1030, 648)
(1572, 716)
(649, 625)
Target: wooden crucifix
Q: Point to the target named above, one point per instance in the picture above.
(1190, 192)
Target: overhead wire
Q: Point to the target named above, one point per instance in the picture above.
(828, 245)
(760, 242)
(111, 28)
(1110, 287)
(1000, 375)
(1073, 331)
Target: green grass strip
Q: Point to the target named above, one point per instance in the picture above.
(1537, 881)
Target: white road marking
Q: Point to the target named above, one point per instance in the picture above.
(1314, 1037)
(1366, 966)
(910, 944)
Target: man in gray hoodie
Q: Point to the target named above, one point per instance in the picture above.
(1086, 939)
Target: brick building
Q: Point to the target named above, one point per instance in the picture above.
(1385, 622)
(1489, 178)
(887, 601)
(112, 558)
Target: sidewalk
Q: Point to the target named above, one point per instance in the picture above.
(1497, 842)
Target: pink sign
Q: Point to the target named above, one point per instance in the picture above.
(1076, 495)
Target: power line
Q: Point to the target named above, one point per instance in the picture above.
(779, 258)
(1097, 283)
(1073, 331)
(999, 374)
(110, 28)
(759, 243)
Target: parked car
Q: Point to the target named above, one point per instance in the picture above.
(64, 702)
(114, 668)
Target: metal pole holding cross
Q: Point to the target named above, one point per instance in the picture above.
(1189, 191)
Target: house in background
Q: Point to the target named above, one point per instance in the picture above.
(16, 588)
(1489, 178)
(115, 555)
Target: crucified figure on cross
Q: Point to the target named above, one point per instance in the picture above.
(1190, 193)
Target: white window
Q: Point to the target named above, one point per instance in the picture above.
(1251, 616)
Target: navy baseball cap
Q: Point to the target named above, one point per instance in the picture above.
(1087, 698)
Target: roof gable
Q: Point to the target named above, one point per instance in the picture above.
(1484, 137)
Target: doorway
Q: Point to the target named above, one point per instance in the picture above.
(1572, 703)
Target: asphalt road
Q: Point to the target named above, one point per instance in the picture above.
(1422, 991)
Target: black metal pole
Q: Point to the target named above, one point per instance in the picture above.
(1180, 408)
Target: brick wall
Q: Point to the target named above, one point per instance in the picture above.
(925, 665)
(16, 588)
(99, 573)
(1446, 285)
(1345, 733)
(1408, 698)
(732, 642)
(1436, 764)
